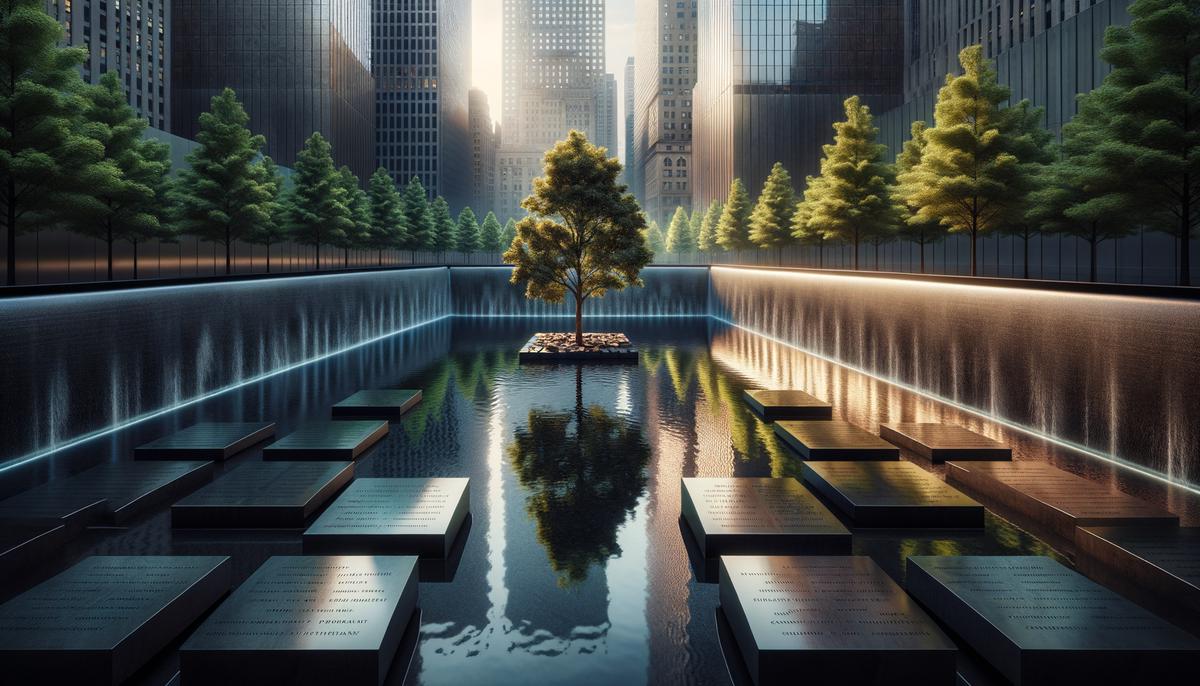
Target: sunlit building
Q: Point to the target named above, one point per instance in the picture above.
(485, 138)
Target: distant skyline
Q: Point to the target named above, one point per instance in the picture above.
(487, 30)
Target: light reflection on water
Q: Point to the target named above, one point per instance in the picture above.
(575, 570)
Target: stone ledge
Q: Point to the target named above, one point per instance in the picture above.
(597, 347)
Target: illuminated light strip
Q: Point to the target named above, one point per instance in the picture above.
(18, 461)
(588, 316)
(996, 419)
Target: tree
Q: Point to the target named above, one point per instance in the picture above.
(273, 229)
(388, 228)
(695, 223)
(771, 220)
(358, 208)
(921, 231)
(319, 204)
(44, 158)
(851, 200)
(126, 197)
(510, 233)
(679, 233)
(1150, 136)
(468, 231)
(733, 230)
(158, 158)
(706, 240)
(443, 237)
(583, 232)
(972, 175)
(804, 231)
(653, 235)
(490, 234)
(417, 216)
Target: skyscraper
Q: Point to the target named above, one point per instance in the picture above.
(297, 67)
(485, 138)
(130, 38)
(630, 173)
(421, 57)
(606, 114)
(773, 76)
(554, 81)
(666, 37)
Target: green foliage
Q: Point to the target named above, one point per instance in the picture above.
(444, 230)
(851, 199)
(679, 233)
(583, 232)
(695, 223)
(914, 228)
(706, 240)
(509, 235)
(490, 233)
(273, 229)
(468, 231)
(222, 195)
(388, 228)
(653, 235)
(733, 229)
(358, 209)
(771, 221)
(44, 158)
(417, 216)
(318, 206)
(977, 164)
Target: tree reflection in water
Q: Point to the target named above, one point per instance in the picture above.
(584, 471)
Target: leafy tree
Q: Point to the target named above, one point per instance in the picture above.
(444, 231)
(273, 229)
(319, 204)
(583, 232)
(157, 156)
(221, 195)
(733, 230)
(806, 232)
(468, 231)
(706, 240)
(921, 231)
(490, 233)
(44, 158)
(358, 207)
(388, 229)
(972, 176)
(126, 199)
(653, 235)
(851, 199)
(771, 220)
(510, 233)
(679, 233)
(417, 216)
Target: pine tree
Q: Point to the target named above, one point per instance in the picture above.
(851, 199)
(1151, 136)
(319, 206)
(444, 230)
(222, 196)
(125, 198)
(510, 232)
(706, 241)
(653, 235)
(44, 158)
(417, 216)
(695, 223)
(490, 234)
(388, 229)
(921, 231)
(679, 233)
(467, 237)
(358, 207)
(972, 177)
(273, 229)
(733, 230)
(771, 220)
(804, 231)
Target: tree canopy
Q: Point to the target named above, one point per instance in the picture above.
(771, 220)
(388, 228)
(706, 240)
(490, 234)
(417, 216)
(733, 229)
(319, 206)
(444, 230)
(914, 228)
(274, 228)
(467, 237)
(679, 233)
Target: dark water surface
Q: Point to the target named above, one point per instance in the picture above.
(575, 569)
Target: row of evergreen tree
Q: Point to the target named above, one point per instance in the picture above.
(75, 156)
(1129, 159)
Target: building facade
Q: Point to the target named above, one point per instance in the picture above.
(663, 105)
(485, 139)
(606, 114)
(131, 38)
(421, 60)
(773, 77)
(297, 67)
(554, 82)
(628, 176)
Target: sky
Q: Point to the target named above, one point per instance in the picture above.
(487, 48)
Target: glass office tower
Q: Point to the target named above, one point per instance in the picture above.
(773, 75)
(297, 67)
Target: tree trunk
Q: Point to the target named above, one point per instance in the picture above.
(268, 258)
(228, 251)
(135, 259)
(578, 320)
(10, 278)
(109, 241)
(856, 254)
(345, 258)
(922, 247)
(821, 254)
(318, 257)
(973, 266)
(1093, 246)
(1185, 257)
(1025, 259)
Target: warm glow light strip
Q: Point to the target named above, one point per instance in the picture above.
(1089, 452)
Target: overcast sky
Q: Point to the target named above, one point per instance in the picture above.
(486, 49)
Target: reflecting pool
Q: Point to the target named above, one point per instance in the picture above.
(575, 568)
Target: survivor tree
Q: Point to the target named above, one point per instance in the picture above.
(583, 235)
